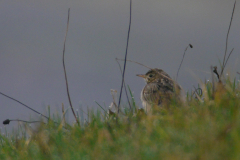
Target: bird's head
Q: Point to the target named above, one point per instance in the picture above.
(151, 76)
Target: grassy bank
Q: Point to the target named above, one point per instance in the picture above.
(208, 129)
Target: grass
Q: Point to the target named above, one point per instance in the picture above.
(195, 130)
(207, 126)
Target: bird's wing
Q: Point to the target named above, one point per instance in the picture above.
(168, 83)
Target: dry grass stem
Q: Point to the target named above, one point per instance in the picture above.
(229, 28)
(124, 84)
(228, 58)
(65, 73)
(24, 105)
(182, 59)
(147, 67)
(124, 67)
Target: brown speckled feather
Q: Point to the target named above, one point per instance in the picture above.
(158, 90)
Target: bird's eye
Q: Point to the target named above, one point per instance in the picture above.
(150, 75)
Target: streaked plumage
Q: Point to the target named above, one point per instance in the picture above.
(158, 90)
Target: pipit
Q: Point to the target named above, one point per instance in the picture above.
(159, 90)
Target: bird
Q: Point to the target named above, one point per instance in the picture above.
(160, 88)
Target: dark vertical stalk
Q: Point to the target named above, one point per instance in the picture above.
(228, 58)
(124, 86)
(65, 73)
(125, 56)
(182, 59)
(224, 63)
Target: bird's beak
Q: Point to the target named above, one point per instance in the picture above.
(141, 75)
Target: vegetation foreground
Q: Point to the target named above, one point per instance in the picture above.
(206, 127)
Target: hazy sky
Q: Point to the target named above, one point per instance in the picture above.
(32, 35)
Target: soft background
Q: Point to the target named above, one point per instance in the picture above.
(32, 36)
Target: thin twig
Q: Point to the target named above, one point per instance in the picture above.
(223, 66)
(182, 59)
(7, 121)
(124, 84)
(100, 106)
(125, 55)
(24, 105)
(147, 67)
(228, 58)
(134, 62)
(27, 107)
(65, 73)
